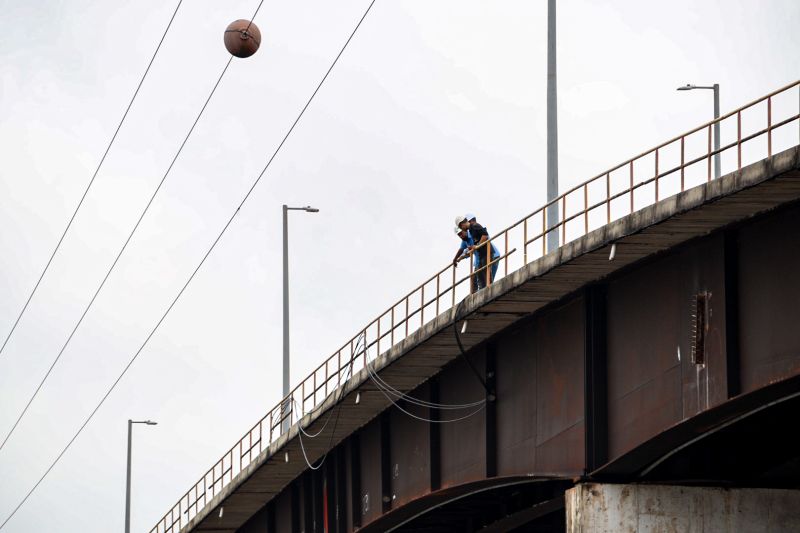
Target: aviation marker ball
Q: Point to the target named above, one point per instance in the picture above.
(242, 38)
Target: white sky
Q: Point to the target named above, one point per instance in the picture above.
(436, 108)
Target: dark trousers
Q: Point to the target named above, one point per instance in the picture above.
(479, 278)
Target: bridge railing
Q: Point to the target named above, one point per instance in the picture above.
(749, 133)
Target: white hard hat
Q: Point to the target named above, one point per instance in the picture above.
(460, 219)
(469, 216)
(457, 230)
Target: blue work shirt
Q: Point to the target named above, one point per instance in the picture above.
(466, 244)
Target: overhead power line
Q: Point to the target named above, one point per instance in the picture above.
(91, 181)
(116, 259)
(194, 272)
(127, 241)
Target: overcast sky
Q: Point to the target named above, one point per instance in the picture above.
(436, 108)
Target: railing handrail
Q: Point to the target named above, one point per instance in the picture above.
(676, 138)
(277, 416)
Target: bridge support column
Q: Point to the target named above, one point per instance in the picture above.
(606, 508)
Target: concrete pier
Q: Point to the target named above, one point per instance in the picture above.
(606, 508)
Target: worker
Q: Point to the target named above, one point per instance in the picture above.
(463, 252)
(479, 236)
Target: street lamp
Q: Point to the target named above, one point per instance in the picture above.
(286, 408)
(552, 128)
(715, 88)
(128, 481)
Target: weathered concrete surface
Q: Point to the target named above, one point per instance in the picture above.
(604, 508)
(757, 188)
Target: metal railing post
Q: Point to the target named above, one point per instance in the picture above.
(454, 286)
(683, 138)
(769, 127)
(544, 231)
(472, 288)
(709, 152)
(488, 262)
(656, 176)
(585, 209)
(422, 307)
(437, 294)
(739, 137)
(407, 315)
(525, 242)
(631, 184)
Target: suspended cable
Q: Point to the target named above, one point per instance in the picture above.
(423, 419)
(197, 268)
(382, 385)
(116, 259)
(294, 402)
(416, 401)
(305, 456)
(91, 181)
(338, 411)
(302, 431)
(481, 405)
(387, 389)
(457, 311)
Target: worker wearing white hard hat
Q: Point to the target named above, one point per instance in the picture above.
(479, 235)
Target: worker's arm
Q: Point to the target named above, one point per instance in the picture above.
(458, 256)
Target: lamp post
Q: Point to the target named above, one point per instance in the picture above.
(128, 480)
(552, 127)
(715, 88)
(286, 407)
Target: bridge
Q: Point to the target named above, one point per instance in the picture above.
(645, 372)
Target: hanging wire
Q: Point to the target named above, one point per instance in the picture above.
(294, 402)
(382, 385)
(305, 456)
(396, 404)
(194, 272)
(91, 181)
(416, 401)
(386, 390)
(423, 419)
(302, 431)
